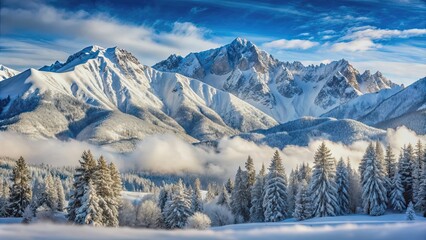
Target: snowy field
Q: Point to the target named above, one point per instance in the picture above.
(391, 226)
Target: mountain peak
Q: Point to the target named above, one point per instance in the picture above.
(241, 43)
(6, 72)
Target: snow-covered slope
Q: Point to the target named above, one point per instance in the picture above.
(6, 72)
(388, 108)
(352, 227)
(106, 96)
(301, 131)
(283, 90)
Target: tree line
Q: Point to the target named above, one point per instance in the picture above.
(328, 188)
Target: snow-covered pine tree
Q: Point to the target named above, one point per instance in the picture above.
(323, 187)
(396, 200)
(256, 210)
(4, 197)
(304, 173)
(389, 169)
(342, 183)
(417, 170)
(275, 203)
(51, 196)
(178, 208)
(421, 196)
(390, 163)
(374, 195)
(293, 186)
(82, 175)
(197, 199)
(89, 213)
(229, 185)
(410, 213)
(239, 199)
(250, 179)
(251, 172)
(163, 197)
(224, 198)
(103, 184)
(303, 209)
(361, 169)
(116, 187)
(405, 169)
(20, 192)
(60, 195)
(211, 193)
(380, 155)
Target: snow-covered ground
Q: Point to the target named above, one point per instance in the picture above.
(134, 196)
(390, 226)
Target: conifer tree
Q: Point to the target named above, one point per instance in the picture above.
(256, 210)
(410, 213)
(229, 185)
(178, 208)
(390, 163)
(421, 196)
(239, 198)
(89, 213)
(4, 197)
(293, 187)
(389, 169)
(304, 173)
(396, 200)
(303, 206)
(417, 171)
(250, 175)
(251, 172)
(275, 196)
(210, 195)
(374, 193)
(342, 182)
(51, 196)
(380, 155)
(20, 192)
(103, 185)
(323, 187)
(163, 197)
(406, 171)
(117, 185)
(197, 199)
(82, 175)
(60, 195)
(224, 198)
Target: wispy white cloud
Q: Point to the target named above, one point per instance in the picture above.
(363, 38)
(362, 44)
(373, 33)
(290, 44)
(84, 29)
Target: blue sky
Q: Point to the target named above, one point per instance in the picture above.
(378, 35)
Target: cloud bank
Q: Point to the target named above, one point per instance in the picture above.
(171, 155)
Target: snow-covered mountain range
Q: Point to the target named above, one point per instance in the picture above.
(283, 90)
(106, 96)
(388, 108)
